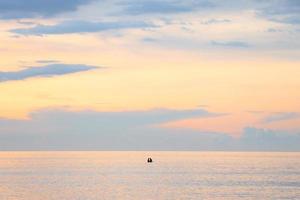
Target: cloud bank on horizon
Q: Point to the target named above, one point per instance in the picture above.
(131, 130)
(232, 56)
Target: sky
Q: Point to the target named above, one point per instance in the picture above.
(150, 75)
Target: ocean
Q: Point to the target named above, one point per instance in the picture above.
(126, 175)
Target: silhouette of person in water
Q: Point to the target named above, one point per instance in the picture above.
(149, 160)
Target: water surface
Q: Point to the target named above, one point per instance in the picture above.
(127, 175)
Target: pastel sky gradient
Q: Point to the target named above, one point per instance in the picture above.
(158, 75)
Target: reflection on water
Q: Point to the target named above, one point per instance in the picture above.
(127, 175)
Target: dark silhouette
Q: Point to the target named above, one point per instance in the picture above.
(149, 160)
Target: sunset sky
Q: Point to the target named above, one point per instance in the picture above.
(158, 75)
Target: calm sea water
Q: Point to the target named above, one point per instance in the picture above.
(127, 175)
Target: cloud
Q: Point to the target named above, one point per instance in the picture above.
(215, 21)
(274, 30)
(232, 44)
(269, 140)
(68, 27)
(126, 118)
(26, 22)
(281, 116)
(17, 9)
(282, 7)
(59, 129)
(288, 20)
(62, 129)
(47, 61)
(149, 39)
(192, 43)
(282, 11)
(44, 71)
(142, 7)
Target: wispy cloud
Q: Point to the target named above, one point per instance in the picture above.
(142, 7)
(281, 116)
(44, 71)
(47, 61)
(232, 44)
(17, 9)
(68, 27)
(282, 11)
(193, 43)
(215, 21)
(274, 30)
(288, 20)
(281, 7)
(149, 39)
